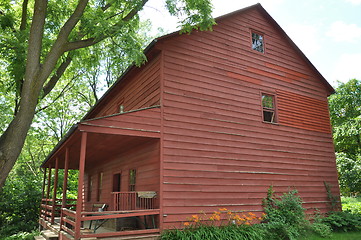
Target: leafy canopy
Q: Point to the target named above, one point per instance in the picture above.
(345, 112)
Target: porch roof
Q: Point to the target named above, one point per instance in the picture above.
(107, 136)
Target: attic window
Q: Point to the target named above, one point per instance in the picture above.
(269, 108)
(257, 42)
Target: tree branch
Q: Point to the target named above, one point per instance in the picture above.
(58, 47)
(56, 98)
(35, 38)
(24, 15)
(92, 41)
(55, 78)
(132, 13)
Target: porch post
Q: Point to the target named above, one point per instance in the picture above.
(43, 188)
(42, 194)
(65, 182)
(55, 189)
(48, 193)
(79, 203)
(65, 186)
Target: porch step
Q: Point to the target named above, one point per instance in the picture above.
(39, 238)
(49, 235)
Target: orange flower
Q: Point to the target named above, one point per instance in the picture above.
(186, 224)
(223, 209)
(247, 223)
(195, 218)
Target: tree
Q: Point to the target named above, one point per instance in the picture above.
(345, 112)
(37, 49)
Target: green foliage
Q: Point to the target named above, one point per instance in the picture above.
(333, 199)
(19, 203)
(285, 215)
(234, 232)
(352, 205)
(22, 236)
(321, 229)
(345, 112)
(343, 221)
(349, 168)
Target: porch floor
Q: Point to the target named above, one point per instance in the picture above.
(55, 228)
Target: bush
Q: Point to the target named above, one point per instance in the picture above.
(19, 205)
(343, 221)
(22, 236)
(321, 229)
(285, 215)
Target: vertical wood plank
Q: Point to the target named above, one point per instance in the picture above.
(65, 185)
(79, 204)
(55, 189)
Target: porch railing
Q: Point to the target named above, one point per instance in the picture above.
(124, 201)
(50, 209)
(69, 223)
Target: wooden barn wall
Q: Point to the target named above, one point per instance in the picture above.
(136, 91)
(217, 151)
(144, 158)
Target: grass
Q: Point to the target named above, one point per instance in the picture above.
(336, 236)
(351, 204)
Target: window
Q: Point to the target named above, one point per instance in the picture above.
(100, 185)
(269, 109)
(132, 179)
(257, 42)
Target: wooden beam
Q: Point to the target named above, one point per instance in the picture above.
(48, 189)
(65, 184)
(55, 190)
(119, 131)
(79, 204)
(43, 187)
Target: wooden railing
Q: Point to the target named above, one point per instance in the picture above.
(123, 201)
(149, 219)
(49, 210)
(67, 221)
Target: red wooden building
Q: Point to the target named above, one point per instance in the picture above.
(210, 121)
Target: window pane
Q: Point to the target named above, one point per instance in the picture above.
(268, 116)
(257, 42)
(267, 101)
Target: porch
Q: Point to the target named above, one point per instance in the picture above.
(110, 155)
(135, 213)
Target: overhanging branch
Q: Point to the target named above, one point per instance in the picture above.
(55, 78)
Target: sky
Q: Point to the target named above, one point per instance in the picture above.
(327, 31)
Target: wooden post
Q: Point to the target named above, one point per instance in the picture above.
(48, 192)
(53, 206)
(42, 192)
(79, 203)
(65, 186)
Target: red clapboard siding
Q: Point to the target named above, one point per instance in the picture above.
(303, 112)
(217, 152)
(144, 158)
(137, 91)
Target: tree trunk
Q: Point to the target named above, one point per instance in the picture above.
(12, 140)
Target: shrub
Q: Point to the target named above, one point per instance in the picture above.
(321, 229)
(343, 221)
(285, 215)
